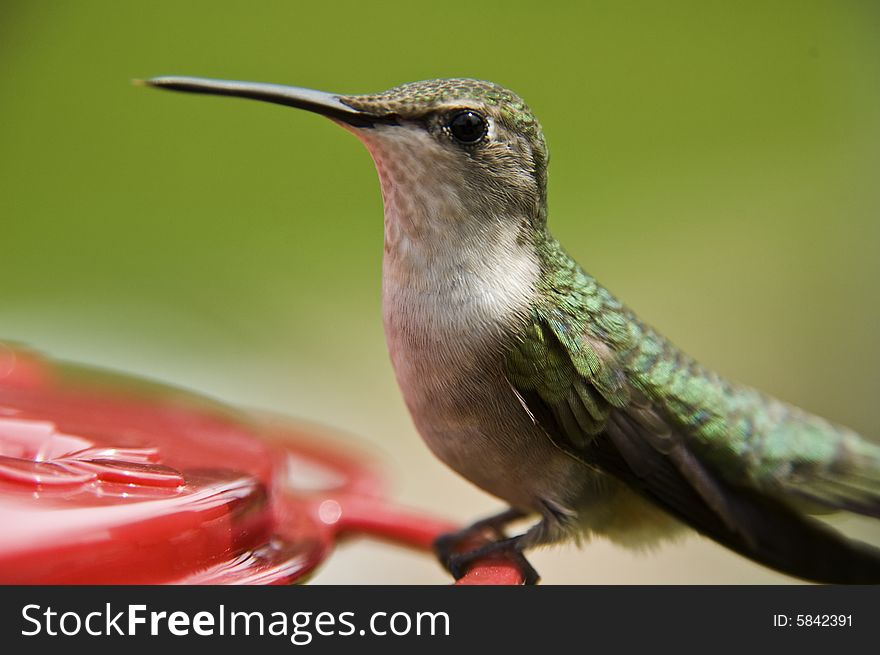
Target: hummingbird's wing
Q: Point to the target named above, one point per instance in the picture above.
(577, 369)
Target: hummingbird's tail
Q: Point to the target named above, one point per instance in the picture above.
(774, 534)
(829, 468)
(802, 546)
(850, 482)
(755, 523)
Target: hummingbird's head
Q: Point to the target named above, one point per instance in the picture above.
(448, 152)
(471, 142)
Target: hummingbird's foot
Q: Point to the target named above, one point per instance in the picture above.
(458, 564)
(490, 528)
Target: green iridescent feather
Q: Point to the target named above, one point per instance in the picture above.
(586, 356)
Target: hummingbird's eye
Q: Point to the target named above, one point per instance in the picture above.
(467, 127)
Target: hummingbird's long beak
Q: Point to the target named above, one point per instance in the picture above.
(319, 102)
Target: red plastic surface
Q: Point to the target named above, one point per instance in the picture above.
(106, 479)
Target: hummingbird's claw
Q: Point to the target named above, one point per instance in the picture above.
(530, 575)
(445, 547)
(489, 529)
(459, 563)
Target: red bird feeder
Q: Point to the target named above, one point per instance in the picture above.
(106, 479)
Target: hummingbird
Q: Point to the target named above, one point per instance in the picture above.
(532, 381)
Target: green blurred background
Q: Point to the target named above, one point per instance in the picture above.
(715, 164)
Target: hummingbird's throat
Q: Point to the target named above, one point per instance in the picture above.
(441, 252)
(419, 180)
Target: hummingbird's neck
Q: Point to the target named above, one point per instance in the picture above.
(435, 211)
(452, 265)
